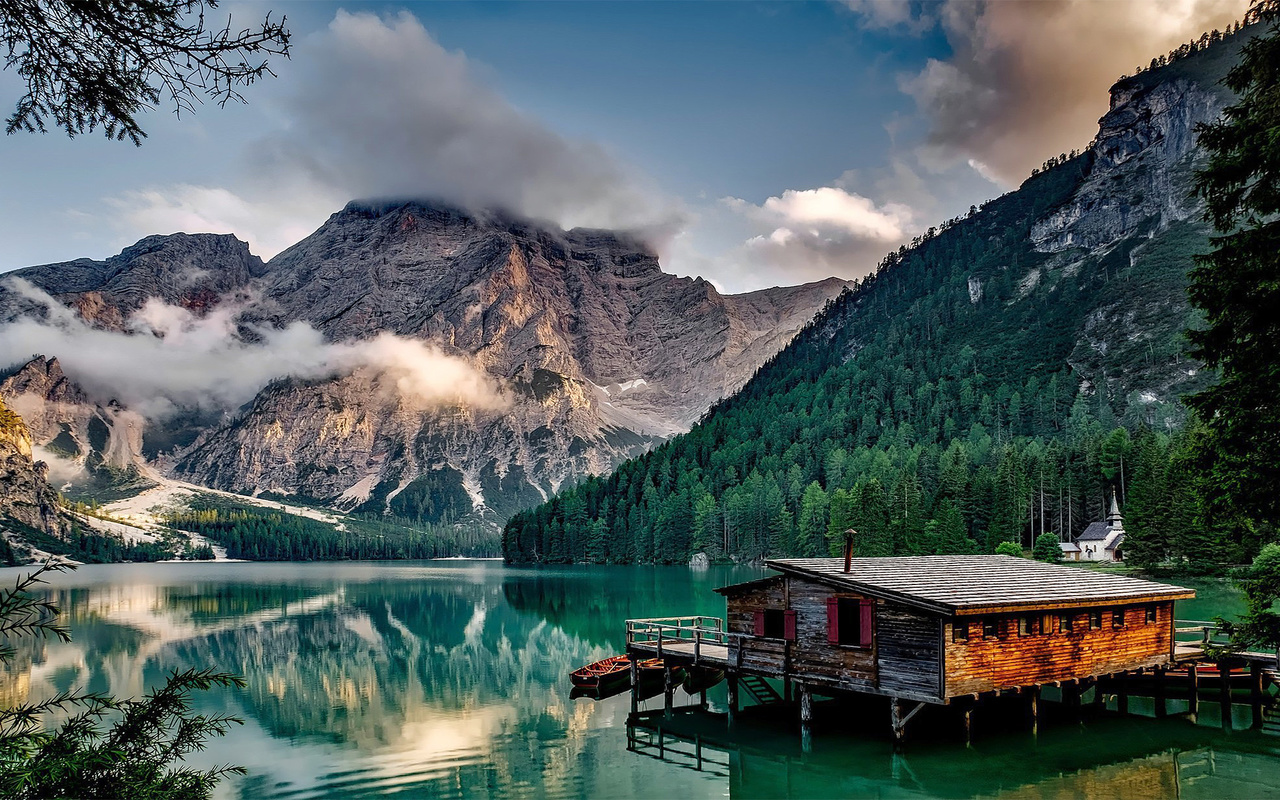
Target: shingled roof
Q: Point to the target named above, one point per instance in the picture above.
(972, 585)
(1096, 532)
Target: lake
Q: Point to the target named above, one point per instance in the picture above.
(450, 679)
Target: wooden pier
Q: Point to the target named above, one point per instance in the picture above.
(949, 631)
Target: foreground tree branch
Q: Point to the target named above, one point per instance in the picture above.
(99, 64)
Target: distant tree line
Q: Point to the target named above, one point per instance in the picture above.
(260, 534)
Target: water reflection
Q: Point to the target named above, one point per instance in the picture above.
(434, 679)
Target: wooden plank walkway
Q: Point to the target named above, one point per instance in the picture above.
(682, 652)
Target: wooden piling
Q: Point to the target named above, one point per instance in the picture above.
(966, 718)
(1162, 707)
(1224, 693)
(635, 686)
(1033, 709)
(668, 691)
(806, 717)
(732, 681)
(1255, 693)
(1193, 695)
(895, 722)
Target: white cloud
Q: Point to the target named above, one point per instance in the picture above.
(810, 234)
(374, 107)
(171, 358)
(1028, 79)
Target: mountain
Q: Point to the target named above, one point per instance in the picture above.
(593, 352)
(995, 381)
(27, 502)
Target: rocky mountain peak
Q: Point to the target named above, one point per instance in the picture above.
(43, 378)
(194, 271)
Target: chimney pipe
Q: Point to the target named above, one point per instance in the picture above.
(848, 548)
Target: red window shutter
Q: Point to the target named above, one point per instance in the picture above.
(833, 620)
(789, 626)
(759, 623)
(866, 621)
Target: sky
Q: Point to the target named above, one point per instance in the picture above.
(754, 144)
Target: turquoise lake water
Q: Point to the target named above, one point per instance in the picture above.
(449, 679)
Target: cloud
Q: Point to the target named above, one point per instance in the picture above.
(810, 234)
(376, 108)
(1028, 79)
(269, 222)
(169, 358)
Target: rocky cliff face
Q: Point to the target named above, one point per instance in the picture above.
(94, 448)
(1134, 216)
(597, 352)
(600, 353)
(194, 271)
(25, 494)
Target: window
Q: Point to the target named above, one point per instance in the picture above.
(1046, 624)
(1095, 620)
(1026, 626)
(1064, 623)
(1117, 618)
(774, 623)
(960, 631)
(1151, 615)
(990, 628)
(850, 621)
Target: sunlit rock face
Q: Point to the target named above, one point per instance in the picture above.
(26, 498)
(595, 352)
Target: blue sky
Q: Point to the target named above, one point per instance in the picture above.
(754, 143)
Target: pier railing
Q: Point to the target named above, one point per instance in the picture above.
(686, 635)
(1202, 634)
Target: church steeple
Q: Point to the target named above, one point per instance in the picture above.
(1114, 520)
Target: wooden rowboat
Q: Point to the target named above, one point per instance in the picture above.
(603, 673)
(614, 672)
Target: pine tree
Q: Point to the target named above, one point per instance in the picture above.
(1237, 287)
(814, 506)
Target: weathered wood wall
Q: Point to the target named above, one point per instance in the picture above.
(817, 660)
(904, 657)
(980, 664)
(909, 651)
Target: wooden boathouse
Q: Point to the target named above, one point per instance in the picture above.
(924, 630)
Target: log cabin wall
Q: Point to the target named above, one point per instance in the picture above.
(1013, 658)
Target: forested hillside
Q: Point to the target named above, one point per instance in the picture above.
(997, 380)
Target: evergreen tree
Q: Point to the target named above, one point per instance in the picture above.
(1046, 548)
(1237, 287)
(814, 506)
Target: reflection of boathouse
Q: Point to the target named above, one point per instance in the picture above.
(925, 630)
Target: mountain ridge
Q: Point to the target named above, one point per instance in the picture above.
(599, 352)
(969, 392)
